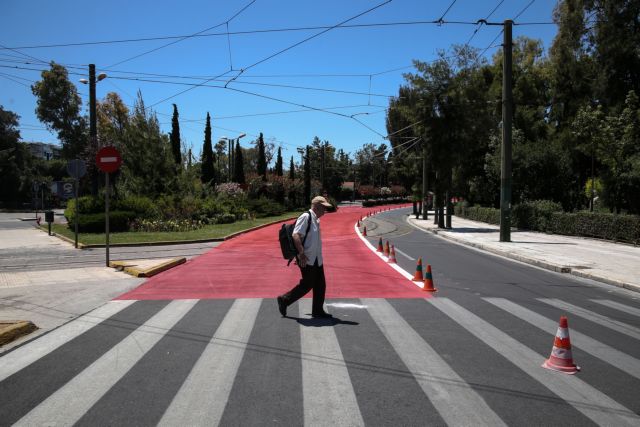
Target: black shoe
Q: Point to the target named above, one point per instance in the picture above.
(282, 306)
(323, 315)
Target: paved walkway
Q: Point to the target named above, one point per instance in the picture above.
(613, 263)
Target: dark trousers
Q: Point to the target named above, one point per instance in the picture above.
(312, 278)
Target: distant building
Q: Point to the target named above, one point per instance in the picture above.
(44, 150)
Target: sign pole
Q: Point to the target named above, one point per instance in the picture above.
(106, 215)
(77, 212)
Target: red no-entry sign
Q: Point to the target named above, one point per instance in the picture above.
(108, 159)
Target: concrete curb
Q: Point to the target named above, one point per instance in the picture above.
(15, 330)
(531, 261)
(152, 271)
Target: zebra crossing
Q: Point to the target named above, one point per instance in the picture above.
(437, 361)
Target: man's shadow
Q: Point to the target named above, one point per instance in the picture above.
(318, 322)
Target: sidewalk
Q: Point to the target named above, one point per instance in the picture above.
(612, 263)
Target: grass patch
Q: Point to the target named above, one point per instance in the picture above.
(207, 232)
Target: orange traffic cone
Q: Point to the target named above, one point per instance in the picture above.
(417, 277)
(561, 359)
(380, 249)
(428, 281)
(386, 249)
(364, 232)
(392, 256)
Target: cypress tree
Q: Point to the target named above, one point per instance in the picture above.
(207, 154)
(262, 159)
(279, 162)
(307, 178)
(238, 169)
(292, 173)
(174, 137)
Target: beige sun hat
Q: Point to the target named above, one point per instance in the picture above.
(322, 201)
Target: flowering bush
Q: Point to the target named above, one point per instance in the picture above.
(385, 192)
(232, 189)
(398, 191)
(147, 225)
(367, 191)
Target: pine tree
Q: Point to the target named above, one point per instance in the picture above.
(292, 172)
(238, 169)
(279, 162)
(207, 154)
(262, 160)
(174, 137)
(307, 178)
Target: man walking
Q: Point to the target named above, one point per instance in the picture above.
(309, 259)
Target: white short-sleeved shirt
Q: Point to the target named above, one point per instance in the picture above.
(313, 242)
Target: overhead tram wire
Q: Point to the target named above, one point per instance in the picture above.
(447, 11)
(480, 22)
(315, 35)
(181, 38)
(232, 33)
(257, 84)
(269, 57)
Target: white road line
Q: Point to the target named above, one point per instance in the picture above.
(404, 255)
(618, 306)
(599, 407)
(67, 405)
(457, 403)
(204, 394)
(602, 351)
(40, 347)
(328, 396)
(396, 267)
(605, 321)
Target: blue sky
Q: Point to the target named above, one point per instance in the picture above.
(358, 60)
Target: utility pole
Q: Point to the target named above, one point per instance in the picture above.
(507, 111)
(93, 128)
(425, 208)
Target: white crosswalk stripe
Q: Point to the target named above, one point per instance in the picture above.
(616, 358)
(600, 408)
(24, 356)
(204, 394)
(618, 306)
(67, 405)
(328, 395)
(605, 321)
(442, 385)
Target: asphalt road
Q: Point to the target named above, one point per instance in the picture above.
(471, 355)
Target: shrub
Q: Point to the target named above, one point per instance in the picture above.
(534, 215)
(263, 207)
(477, 213)
(143, 206)
(231, 189)
(95, 222)
(159, 225)
(622, 228)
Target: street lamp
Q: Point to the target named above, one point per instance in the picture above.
(93, 128)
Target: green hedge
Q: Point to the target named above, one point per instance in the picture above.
(94, 222)
(534, 215)
(477, 213)
(545, 216)
(390, 201)
(620, 228)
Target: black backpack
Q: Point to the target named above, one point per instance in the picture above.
(289, 251)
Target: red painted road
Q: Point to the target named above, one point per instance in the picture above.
(251, 266)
